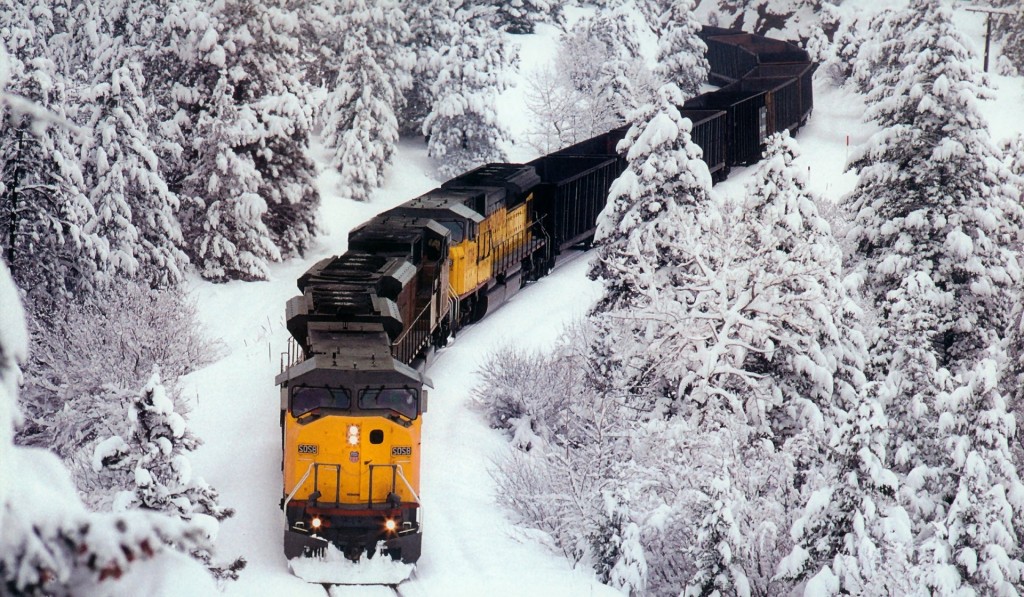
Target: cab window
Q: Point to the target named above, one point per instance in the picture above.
(457, 230)
(306, 399)
(403, 401)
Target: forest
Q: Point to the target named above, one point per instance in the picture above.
(772, 395)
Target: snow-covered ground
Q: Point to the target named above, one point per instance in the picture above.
(470, 547)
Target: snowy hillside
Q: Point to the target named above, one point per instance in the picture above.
(470, 548)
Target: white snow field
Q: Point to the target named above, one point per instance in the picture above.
(470, 547)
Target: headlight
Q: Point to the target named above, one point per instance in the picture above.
(353, 435)
(315, 523)
(389, 524)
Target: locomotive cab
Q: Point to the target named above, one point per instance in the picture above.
(350, 422)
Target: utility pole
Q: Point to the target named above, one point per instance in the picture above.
(989, 10)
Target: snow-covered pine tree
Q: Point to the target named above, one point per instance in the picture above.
(266, 73)
(427, 32)
(225, 210)
(718, 538)
(462, 127)
(153, 461)
(852, 537)
(43, 212)
(930, 197)
(977, 546)
(658, 203)
(239, 136)
(883, 54)
(359, 114)
(521, 16)
(936, 234)
(1013, 157)
(681, 51)
(618, 550)
(135, 212)
(1010, 30)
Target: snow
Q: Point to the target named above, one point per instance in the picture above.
(335, 568)
(470, 547)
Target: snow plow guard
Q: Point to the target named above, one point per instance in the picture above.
(298, 544)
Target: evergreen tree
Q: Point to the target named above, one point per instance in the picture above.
(135, 211)
(153, 462)
(241, 133)
(977, 545)
(1010, 30)
(681, 52)
(43, 212)
(521, 16)
(655, 209)
(359, 114)
(718, 538)
(225, 208)
(930, 198)
(427, 32)
(462, 126)
(936, 233)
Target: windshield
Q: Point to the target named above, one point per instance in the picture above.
(401, 400)
(305, 399)
(458, 233)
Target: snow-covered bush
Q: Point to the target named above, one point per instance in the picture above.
(528, 394)
(89, 357)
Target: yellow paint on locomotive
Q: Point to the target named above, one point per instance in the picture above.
(326, 442)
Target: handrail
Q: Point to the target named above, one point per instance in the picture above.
(291, 495)
(398, 469)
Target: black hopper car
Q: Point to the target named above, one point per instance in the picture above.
(352, 390)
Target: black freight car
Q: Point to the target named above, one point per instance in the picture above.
(573, 190)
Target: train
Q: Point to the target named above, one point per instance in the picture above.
(353, 392)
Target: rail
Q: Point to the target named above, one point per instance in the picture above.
(518, 246)
(408, 345)
(293, 355)
(295, 490)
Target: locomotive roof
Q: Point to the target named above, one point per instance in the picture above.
(515, 179)
(364, 354)
(440, 204)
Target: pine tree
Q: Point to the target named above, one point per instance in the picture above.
(426, 34)
(43, 212)
(153, 462)
(1010, 30)
(978, 543)
(135, 211)
(935, 232)
(655, 209)
(718, 538)
(521, 16)
(238, 138)
(462, 126)
(225, 208)
(925, 182)
(681, 52)
(359, 114)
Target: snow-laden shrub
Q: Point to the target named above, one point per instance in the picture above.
(88, 357)
(527, 394)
